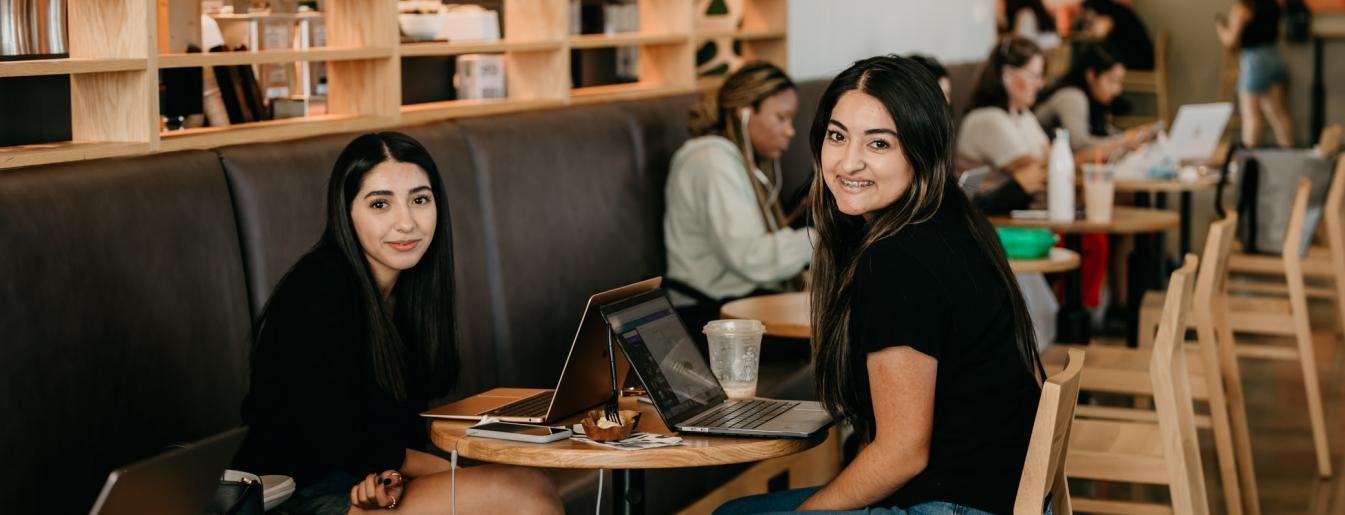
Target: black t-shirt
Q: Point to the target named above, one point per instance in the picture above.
(1264, 27)
(931, 288)
(313, 406)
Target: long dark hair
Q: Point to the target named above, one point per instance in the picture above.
(1090, 58)
(423, 294)
(1011, 51)
(924, 126)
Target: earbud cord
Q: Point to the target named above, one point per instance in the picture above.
(597, 510)
(453, 478)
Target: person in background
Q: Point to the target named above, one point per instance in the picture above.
(921, 337)
(938, 71)
(1000, 130)
(356, 339)
(725, 232)
(1120, 31)
(1029, 19)
(1254, 27)
(1081, 101)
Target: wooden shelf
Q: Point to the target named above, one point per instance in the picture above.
(114, 68)
(627, 39)
(290, 128)
(442, 48)
(435, 111)
(73, 65)
(271, 57)
(741, 35)
(619, 92)
(28, 155)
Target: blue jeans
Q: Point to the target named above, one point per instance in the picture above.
(1260, 68)
(789, 500)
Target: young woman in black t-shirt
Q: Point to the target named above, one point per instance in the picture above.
(921, 338)
(356, 339)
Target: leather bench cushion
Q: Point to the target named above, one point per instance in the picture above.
(568, 214)
(125, 320)
(280, 193)
(662, 127)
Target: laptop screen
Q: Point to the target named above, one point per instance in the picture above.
(660, 349)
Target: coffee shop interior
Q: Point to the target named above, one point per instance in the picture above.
(619, 256)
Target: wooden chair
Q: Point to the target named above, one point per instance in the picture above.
(1161, 452)
(1214, 376)
(1279, 316)
(1153, 82)
(1325, 263)
(1044, 468)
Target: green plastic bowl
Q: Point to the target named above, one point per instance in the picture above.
(1023, 243)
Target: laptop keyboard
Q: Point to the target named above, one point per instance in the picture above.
(744, 414)
(530, 407)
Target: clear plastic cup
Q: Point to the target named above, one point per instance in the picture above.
(735, 355)
(1099, 192)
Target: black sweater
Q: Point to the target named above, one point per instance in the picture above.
(313, 406)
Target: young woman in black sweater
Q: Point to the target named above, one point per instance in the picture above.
(356, 339)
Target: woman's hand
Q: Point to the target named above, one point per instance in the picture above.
(378, 491)
(1031, 176)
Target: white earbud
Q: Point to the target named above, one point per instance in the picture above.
(744, 114)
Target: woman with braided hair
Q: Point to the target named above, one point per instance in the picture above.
(724, 230)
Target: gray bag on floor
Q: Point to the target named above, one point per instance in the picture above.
(1266, 196)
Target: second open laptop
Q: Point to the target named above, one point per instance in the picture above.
(584, 382)
(684, 390)
(177, 481)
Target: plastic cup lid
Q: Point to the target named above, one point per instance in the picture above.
(734, 326)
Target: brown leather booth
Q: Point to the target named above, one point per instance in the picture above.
(130, 285)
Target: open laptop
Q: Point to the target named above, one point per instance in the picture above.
(1197, 131)
(681, 385)
(584, 382)
(178, 481)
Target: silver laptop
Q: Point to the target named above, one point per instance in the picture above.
(584, 381)
(681, 385)
(1197, 130)
(178, 481)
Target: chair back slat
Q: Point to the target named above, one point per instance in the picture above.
(1172, 396)
(1044, 468)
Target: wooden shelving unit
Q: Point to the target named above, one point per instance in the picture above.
(272, 57)
(117, 48)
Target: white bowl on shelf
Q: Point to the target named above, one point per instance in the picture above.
(421, 26)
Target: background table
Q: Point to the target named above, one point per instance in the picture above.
(627, 466)
(1072, 321)
(1160, 189)
(786, 314)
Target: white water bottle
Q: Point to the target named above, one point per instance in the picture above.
(1060, 180)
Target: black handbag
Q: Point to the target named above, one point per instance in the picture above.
(236, 498)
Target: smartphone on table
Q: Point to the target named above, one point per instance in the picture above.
(519, 432)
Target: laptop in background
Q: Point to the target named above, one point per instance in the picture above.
(681, 385)
(178, 481)
(584, 382)
(1197, 130)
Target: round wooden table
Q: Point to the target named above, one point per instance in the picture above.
(1161, 188)
(1059, 260)
(1072, 321)
(627, 466)
(786, 314)
(1124, 220)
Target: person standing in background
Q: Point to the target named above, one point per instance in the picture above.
(1253, 26)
